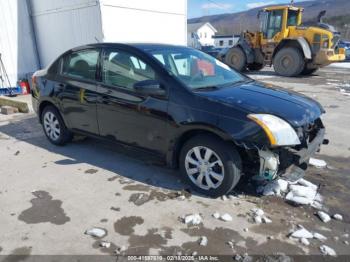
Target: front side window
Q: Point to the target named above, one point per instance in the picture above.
(123, 69)
(81, 64)
(195, 68)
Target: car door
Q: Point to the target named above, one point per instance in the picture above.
(78, 95)
(124, 114)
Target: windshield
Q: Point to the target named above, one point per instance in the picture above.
(196, 69)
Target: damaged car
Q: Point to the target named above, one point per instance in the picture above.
(197, 114)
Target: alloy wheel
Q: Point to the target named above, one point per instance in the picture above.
(204, 167)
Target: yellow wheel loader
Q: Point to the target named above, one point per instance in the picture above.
(283, 42)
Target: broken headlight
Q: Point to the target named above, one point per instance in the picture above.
(279, 132)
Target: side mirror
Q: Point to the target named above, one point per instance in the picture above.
(149, 87)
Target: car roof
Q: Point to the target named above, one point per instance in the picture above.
(141, 46)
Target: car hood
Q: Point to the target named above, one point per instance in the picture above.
(257, 97)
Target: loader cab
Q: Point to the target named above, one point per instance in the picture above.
(274, 21)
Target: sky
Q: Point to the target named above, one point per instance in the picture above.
(197, 8)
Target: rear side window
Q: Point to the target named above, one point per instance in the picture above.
(81, 64)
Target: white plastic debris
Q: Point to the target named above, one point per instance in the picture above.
(258, 211)
(105, 244)
(306, 183)
(323, 216)
(226, 217)
(120, 250)
(304, 241)
(302, 233)
(317, 162)
(216, 215)
(194, 253)
(271, 189)
(346, 235)
(266, 220)
(319, 236)
(203, 241)
(246, 229)
(96, 232)
(338, 217)
(194, 219)
(326, 250)
(346, 242)
(224, 198)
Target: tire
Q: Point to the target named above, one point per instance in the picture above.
(228, 165)
(54, 127)
(255, 67)
(289, 62)
(236, 59)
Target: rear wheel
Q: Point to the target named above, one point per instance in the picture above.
(54, 127)
(236, 59)
(289, 61)
(209, 165)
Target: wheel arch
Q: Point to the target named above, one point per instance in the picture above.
(43, 105)
(300, 43)
(186, 135)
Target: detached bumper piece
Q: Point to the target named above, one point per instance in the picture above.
(293, 163)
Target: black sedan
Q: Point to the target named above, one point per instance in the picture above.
(183, 105)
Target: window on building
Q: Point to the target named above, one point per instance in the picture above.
(81, 64)
(221, 42)
(205, 35)
(124, 70)
(230, 42)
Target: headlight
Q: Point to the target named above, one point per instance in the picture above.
(279, 132)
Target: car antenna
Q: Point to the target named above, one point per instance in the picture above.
(98, 41)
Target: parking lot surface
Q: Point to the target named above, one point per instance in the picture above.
(50, 195)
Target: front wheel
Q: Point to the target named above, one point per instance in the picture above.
(236, 59)
(211, 166)
(289, 61)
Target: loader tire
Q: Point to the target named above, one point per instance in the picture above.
(236, 58)
(289, 62)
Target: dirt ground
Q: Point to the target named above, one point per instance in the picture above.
(49, 195)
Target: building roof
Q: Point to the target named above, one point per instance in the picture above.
(192, 28)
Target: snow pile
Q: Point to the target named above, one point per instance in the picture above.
(326, 250)
(323, 216)
(259, 216)
(301, 192)
(96, 232)
(194, 219)
(226, 217)
(317, 163)
(203, 241)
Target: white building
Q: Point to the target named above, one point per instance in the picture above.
(225, 41)
(35, 32)
(205, 32)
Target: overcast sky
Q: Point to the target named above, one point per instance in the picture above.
(198, 8)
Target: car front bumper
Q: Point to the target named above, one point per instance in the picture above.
(295, 162)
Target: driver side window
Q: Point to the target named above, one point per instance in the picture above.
(123, 69)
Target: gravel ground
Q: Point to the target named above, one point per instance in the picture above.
(49, 195)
